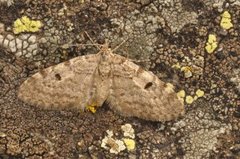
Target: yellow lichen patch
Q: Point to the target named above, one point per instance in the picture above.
(130, 144)
(187, 71)
(92, 107)
(200, 93)
(211, 43)
(226, 14)
(195, 97)
(226, 20)
(169, 85)
(181, 94)
(169, 88)
(25, 24)
(176, 66)
(189, 99)
(18, 27)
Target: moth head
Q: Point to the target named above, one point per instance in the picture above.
(106, 53)
(105, 48)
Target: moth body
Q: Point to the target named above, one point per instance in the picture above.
(105, 76)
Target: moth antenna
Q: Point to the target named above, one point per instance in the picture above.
(68, 45)
(93, 44)
(92, 40)
(120, 45)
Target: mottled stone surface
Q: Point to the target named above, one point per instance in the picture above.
(159, 34)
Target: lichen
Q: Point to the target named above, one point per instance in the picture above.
(199, 93)
(181, 94)
(92, 107)
(130, 144)
(114, 146)
(187, 71)
(211, 44)
(128, 131)
(117, 145)
(226, 21)
(25, 24)
(189, 99)
(176, 66)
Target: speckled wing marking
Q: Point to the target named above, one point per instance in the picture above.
(140, 93)
(68, 84)
(93, 79)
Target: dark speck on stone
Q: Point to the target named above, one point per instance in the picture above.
(220, 55)
(233, 53)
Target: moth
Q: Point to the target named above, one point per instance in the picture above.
(103, 77)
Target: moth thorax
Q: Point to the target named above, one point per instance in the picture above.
(104, 69)
(106, 55)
